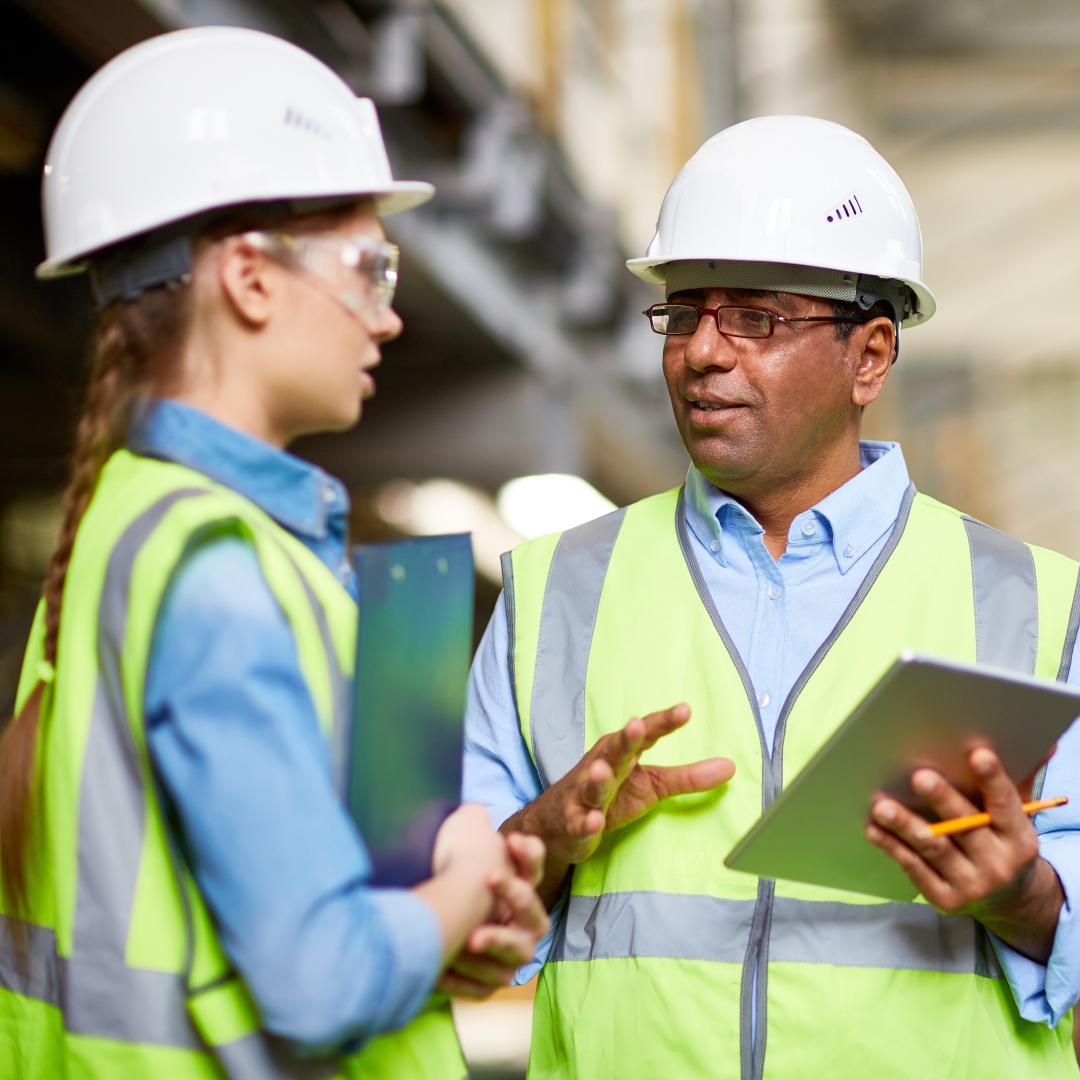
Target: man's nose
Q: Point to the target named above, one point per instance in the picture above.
(707, 348)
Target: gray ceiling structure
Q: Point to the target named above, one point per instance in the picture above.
(517, 309)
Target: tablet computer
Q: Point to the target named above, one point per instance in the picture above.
(921, 712)
(414, 644)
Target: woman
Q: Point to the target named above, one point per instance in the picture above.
(183, 891)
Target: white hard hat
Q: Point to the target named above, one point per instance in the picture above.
(197, 120)
(792, 201)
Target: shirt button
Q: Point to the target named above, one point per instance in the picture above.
(764, 700)
(848, 551)
(328, 494)
(774, 592)
(808, 528)
(714, 545)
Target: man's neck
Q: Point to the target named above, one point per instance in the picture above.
(775, 507)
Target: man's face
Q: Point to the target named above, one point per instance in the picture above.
(757, 414)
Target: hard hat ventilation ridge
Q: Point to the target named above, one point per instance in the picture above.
(846, 209)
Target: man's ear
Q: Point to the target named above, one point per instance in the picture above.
(248, 280)
(875, 342)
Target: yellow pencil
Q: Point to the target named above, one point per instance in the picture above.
(974, 821)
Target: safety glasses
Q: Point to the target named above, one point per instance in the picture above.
(365, 288)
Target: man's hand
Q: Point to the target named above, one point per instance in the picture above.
(496, 949)
(609, 788)
(993, 873)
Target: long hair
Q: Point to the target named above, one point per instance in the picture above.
(132, 348)
(134, 357)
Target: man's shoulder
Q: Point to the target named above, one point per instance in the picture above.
(942, 511)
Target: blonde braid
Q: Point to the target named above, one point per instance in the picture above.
(133, 347)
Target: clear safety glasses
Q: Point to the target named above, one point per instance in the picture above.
(359, 272)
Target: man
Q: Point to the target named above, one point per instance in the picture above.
(767, 595)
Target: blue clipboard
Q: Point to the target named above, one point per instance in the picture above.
(412, 662)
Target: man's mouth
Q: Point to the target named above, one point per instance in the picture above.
(715, 404)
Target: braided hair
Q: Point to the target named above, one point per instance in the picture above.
(132, 357)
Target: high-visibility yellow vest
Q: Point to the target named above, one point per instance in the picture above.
(125, 976)
(666, 963)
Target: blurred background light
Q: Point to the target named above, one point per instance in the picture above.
(549, 502)
(446, 506)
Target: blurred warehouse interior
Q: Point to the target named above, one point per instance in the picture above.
(551, 129)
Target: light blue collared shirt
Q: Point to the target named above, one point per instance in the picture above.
(237, 751)
(778, 612)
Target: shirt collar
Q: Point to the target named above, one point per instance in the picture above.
(293, 492)
(856, 514)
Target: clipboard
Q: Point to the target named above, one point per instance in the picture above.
(922, 711)
(414, 645)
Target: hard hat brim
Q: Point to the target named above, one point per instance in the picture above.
(396, 197)
(653, 270)
(402, 195)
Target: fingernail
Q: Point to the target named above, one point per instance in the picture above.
(924, 783)
(885, 812)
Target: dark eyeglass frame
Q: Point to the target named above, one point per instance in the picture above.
(715, 313)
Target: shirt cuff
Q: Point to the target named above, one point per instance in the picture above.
(1044, 993)
(414, 940)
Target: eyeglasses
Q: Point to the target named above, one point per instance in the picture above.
(321, 255)
(743, 322)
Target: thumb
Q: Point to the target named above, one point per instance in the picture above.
(698, 776)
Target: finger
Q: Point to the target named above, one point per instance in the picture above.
(704, 775)
(664, 722)
(598, 787)
(923, 876)
(948, 860)
(487, 971)
(1000, 797)
(498, 946)
(522, 906)
(527, 853)
(459, 986)
(941, 797)
(620, 749)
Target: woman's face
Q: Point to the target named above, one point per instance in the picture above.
(329, 320)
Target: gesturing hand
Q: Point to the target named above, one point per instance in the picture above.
(609, 788)
(992, 873)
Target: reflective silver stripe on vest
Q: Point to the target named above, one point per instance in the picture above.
(1065, 667)
(260, 1057)
(101, 994)
(97, 991)
(1006, 601)
(341, 717)
(37, 974)
(672, 926)
(567, 619)
(1063, 672)
(506, 561)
